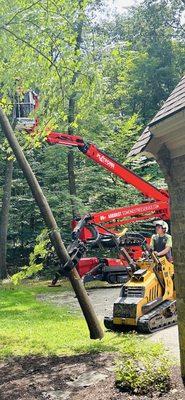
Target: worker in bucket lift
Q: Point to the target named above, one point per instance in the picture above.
(161, 242)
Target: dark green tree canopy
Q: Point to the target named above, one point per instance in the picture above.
(115, 72)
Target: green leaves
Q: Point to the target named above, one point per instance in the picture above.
(118, 76)
(39, 253)
(134, 373)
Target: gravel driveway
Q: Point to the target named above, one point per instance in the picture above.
(102, 300)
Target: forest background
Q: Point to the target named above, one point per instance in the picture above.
(99, 76)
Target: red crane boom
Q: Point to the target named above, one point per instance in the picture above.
(107, 162)
(157, 208)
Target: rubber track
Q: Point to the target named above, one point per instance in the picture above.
(158, 318)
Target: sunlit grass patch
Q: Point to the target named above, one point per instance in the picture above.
(30, 326)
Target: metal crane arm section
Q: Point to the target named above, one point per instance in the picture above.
(126, 214)
(107, 162)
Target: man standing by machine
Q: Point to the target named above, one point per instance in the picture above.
(161, 242)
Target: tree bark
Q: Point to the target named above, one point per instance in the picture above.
(173, 170)
(72, 183)
(4, 218)
(71, 118)
(95, 329)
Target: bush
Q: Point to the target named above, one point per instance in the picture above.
(143, 368)
(42, 260)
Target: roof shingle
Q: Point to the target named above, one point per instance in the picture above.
(174, 104)
(141, 143)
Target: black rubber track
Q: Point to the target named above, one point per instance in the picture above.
(158, 318)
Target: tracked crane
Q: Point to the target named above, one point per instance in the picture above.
(106, 222)
(111, 269)
(147, 300)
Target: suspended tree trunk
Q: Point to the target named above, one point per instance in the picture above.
(95, 329)
(173, 170)
(4, 218)
(71, 116)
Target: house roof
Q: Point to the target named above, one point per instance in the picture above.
(174, 104)
(141, 143)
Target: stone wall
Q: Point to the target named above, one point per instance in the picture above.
(174, 172)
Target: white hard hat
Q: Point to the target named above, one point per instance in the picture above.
(162, 223)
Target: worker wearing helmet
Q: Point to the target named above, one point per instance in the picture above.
(161, 242)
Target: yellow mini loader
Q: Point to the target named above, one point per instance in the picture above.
(147, 301)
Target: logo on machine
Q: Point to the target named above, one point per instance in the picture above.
(105, 161)
(135, 210)
(132, 211)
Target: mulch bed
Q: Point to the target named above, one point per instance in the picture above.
(49, 378)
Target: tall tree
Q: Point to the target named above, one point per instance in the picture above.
(155, 62)
(4, 217)
(72, 104)
(112, 74)
(52, 35)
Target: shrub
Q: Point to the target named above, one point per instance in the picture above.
(143, 368)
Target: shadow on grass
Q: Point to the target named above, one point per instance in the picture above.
(30, 377)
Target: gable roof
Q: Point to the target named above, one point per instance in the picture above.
(141, 143)
(174, 104)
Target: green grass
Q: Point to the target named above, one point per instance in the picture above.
(29, 326)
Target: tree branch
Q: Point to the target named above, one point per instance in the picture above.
(21, 11)
(37, 51)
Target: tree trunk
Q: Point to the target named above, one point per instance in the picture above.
(95, 329)
(173, 170)
(4, 218)
(72, 183)
(71, 118)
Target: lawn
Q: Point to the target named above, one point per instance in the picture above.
(29, 326)
(32, 327)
